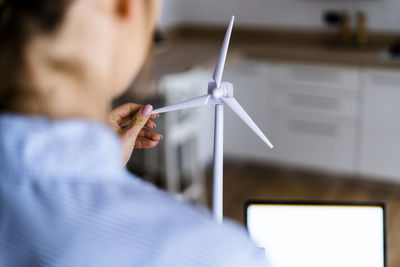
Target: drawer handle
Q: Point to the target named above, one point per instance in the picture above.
(314, 75)
(314, 102)
(313, 128)
(385, 80)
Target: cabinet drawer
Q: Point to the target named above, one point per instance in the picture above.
(331, 77)
(316, 142)
(386, 79)
(380, 145)
(334, 102)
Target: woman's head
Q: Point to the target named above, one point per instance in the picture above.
(53, 50)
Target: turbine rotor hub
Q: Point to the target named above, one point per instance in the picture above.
(225, 90)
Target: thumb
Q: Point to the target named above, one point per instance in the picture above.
(140, 119)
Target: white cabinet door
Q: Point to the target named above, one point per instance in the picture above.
(249, 79)
(309, 112)
(316, 141)
(316, 111)
(380, 142)
(322, 76)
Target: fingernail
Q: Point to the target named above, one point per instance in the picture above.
(154, 125)
(147, 110)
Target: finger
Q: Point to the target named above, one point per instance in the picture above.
(151, 124)
(139, 121)
(145, 144)
(154, 116)
(127, 109)
(124, 111)
(145, 133)
(125, 122)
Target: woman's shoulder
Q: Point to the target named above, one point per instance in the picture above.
(114, 217)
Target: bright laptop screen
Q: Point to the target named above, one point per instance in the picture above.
(319, 235)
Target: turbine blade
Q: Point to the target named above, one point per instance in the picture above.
(237, 108)
(195, 102)
(219, 69)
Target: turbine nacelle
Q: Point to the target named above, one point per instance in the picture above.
(224, 90)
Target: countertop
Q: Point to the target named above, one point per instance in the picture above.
(198, 46)
(193, 45)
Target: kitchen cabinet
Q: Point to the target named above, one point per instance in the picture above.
(251, 90)
(316, 113)
(380, 127)
(309, 112)
(343, 120)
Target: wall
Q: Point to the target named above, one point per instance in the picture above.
(172, 13)
(383, 15)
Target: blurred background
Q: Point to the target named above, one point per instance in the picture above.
(320, 77)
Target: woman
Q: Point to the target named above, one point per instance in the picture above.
(65, 197)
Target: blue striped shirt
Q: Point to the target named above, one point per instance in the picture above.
(66, 200)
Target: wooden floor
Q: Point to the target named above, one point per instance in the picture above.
(244, 181)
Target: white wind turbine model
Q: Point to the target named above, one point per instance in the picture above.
(218, 95)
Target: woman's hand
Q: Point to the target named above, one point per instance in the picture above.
(133, 124)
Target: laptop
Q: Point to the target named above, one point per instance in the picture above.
(316, 234)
